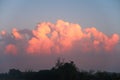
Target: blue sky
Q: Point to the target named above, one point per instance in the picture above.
(102, 14)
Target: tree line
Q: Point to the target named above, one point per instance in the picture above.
(61, 71)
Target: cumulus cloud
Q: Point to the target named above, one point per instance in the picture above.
(11, 49)
(57, 38)
(88, 47)
(16, 34)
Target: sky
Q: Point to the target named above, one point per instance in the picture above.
(35, 33)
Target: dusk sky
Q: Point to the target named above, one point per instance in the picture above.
(35, 33)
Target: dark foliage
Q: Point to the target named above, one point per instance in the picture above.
(61, 71)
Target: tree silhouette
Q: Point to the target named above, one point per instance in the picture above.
(61, 71)
(14, 73)
(66, 71)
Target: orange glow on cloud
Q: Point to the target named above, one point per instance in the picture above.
(100, 38)
(3, 32)
(60, 37)
(54, 37)
(16, 34)
(11, 49)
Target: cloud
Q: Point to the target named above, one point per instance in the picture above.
(48, 38)
(11, 49)
(3, 32)
(100, 40)
(40, 47)
(54, 37)
(16, 34)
